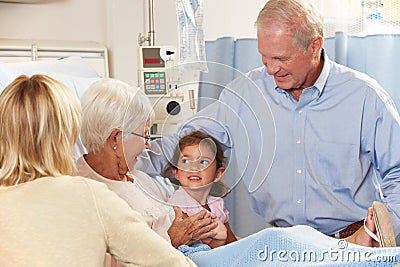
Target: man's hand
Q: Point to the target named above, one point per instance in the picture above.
(361, 237)
(188, 230)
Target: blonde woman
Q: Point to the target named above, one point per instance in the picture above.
(48, 218)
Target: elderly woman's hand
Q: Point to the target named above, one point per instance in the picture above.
(188, 230)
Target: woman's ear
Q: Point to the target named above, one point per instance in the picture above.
(112, 138)
(218, 174)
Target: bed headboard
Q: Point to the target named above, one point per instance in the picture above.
(20, 50)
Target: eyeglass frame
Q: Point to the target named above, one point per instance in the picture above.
(146, 137)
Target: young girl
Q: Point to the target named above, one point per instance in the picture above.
(197, 164)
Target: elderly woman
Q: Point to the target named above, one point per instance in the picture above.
(116, 121)
(48, 218)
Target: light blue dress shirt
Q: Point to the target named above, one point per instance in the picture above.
(320, 161)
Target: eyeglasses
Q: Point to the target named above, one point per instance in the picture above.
(146, 136)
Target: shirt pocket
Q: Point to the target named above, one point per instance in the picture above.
(334, 164)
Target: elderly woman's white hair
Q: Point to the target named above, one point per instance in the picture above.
(110, 104)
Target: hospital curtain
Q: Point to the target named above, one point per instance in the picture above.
(375, 55)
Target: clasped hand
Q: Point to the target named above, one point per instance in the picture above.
(186, 230)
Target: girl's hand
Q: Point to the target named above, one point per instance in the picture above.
(220, 237)
(220, 230)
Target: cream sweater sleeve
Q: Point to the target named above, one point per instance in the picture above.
(129, 238)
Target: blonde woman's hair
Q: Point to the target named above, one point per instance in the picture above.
(110, 104)
(40, 123)
(301, 16)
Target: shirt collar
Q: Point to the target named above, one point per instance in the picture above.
(323, 77)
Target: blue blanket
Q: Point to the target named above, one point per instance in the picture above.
(294, 246)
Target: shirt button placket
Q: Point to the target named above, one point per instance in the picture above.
(300, 183)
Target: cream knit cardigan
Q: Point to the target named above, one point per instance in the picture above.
(73, 221)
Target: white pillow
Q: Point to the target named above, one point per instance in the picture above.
(73, 65)
(75, 83)
(7, 75)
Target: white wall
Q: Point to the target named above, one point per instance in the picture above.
(61, 19)
(113, 23)
(221, 18)
(231, 18)
(117, 23)
(125, 22)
